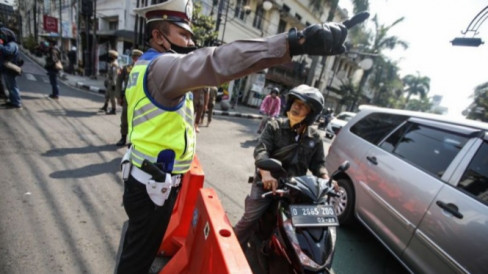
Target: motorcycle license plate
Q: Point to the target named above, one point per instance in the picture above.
(313, 215)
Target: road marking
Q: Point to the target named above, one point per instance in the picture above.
(30, 76)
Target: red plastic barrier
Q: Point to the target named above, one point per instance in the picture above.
(211, 245)
(182, 215)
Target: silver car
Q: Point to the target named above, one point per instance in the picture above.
(419, 183)
(337, 123)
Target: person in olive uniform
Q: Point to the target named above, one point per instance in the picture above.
(120, 86)
(112, 72)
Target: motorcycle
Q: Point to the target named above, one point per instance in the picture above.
(298, 232)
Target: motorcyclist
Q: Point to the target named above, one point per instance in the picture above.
(304, 105)
(327, 116)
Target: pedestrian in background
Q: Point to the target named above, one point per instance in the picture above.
(72, 60)
(270, 107)
(110, 82)
(9, 53)
(200, 103)
(212, 97)
(120, 87)
(52, 57)
(161, 117)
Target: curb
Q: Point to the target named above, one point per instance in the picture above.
(90, 88)
(237, 114)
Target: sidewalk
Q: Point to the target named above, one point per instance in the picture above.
(97, 85)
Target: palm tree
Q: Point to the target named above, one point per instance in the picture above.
(383, 81)
(416, 85)
(478, 110)
(377, 42)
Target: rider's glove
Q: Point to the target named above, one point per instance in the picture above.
(320, 39)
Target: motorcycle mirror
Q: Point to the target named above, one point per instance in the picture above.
(344, 166)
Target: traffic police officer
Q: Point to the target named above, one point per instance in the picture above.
(160, 110)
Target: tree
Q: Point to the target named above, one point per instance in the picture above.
(374, 44)
(203, 27)
(423, 104)
(478, 110)
(416, 85)
(384, 81)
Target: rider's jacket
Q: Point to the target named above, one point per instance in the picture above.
(161, 135)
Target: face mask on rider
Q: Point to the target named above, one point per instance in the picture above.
(176, 48)
(294, 119)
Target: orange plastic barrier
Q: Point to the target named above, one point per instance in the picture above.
(182, 215)
(211, 245)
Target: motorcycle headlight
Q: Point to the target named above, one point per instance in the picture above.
(304, 259)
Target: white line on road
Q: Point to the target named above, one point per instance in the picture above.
(30, 77)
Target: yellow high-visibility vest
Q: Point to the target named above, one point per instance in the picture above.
(158, 134)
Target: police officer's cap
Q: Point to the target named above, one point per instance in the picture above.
(178, 12)
(136, 53)
(113, 53)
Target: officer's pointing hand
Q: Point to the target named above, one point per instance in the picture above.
(318, 39)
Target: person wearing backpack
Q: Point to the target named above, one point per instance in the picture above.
(9, 66)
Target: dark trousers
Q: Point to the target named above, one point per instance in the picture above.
(147, 225)
(53, 79)
(124, 126)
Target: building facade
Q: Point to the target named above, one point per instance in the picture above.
(114, 25)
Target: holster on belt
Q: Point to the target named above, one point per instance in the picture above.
(125, 165)
(159, 186)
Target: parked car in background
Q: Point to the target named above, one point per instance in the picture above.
(419, 183)
(337, 123)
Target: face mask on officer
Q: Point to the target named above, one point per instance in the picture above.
(176, 48)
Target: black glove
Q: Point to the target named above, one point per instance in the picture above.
(320, 39)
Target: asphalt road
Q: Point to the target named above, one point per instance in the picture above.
(61, 192)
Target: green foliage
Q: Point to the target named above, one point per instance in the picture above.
(416, 85)
(347, 90)
(478, 110)
(203, 28)
(384, 81)
(423, 105)
(374, 43)
(29, 43)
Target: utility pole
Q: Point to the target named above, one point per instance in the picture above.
(136, 41)
(60, 30)
(86, 12)
(35, 20)
(94, 47)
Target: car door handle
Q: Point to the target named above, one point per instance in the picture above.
(451, 208)
(372, 159)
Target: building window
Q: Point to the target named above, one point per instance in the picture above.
(286, 9)
(298, 16)
(258, 18)
(240, 12)
(281, 26)
(113, 25)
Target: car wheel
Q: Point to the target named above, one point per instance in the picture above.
(344, 204)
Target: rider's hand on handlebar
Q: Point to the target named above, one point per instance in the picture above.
(335, 185)
(269, 182)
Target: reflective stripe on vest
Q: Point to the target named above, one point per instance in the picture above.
(154, 130)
